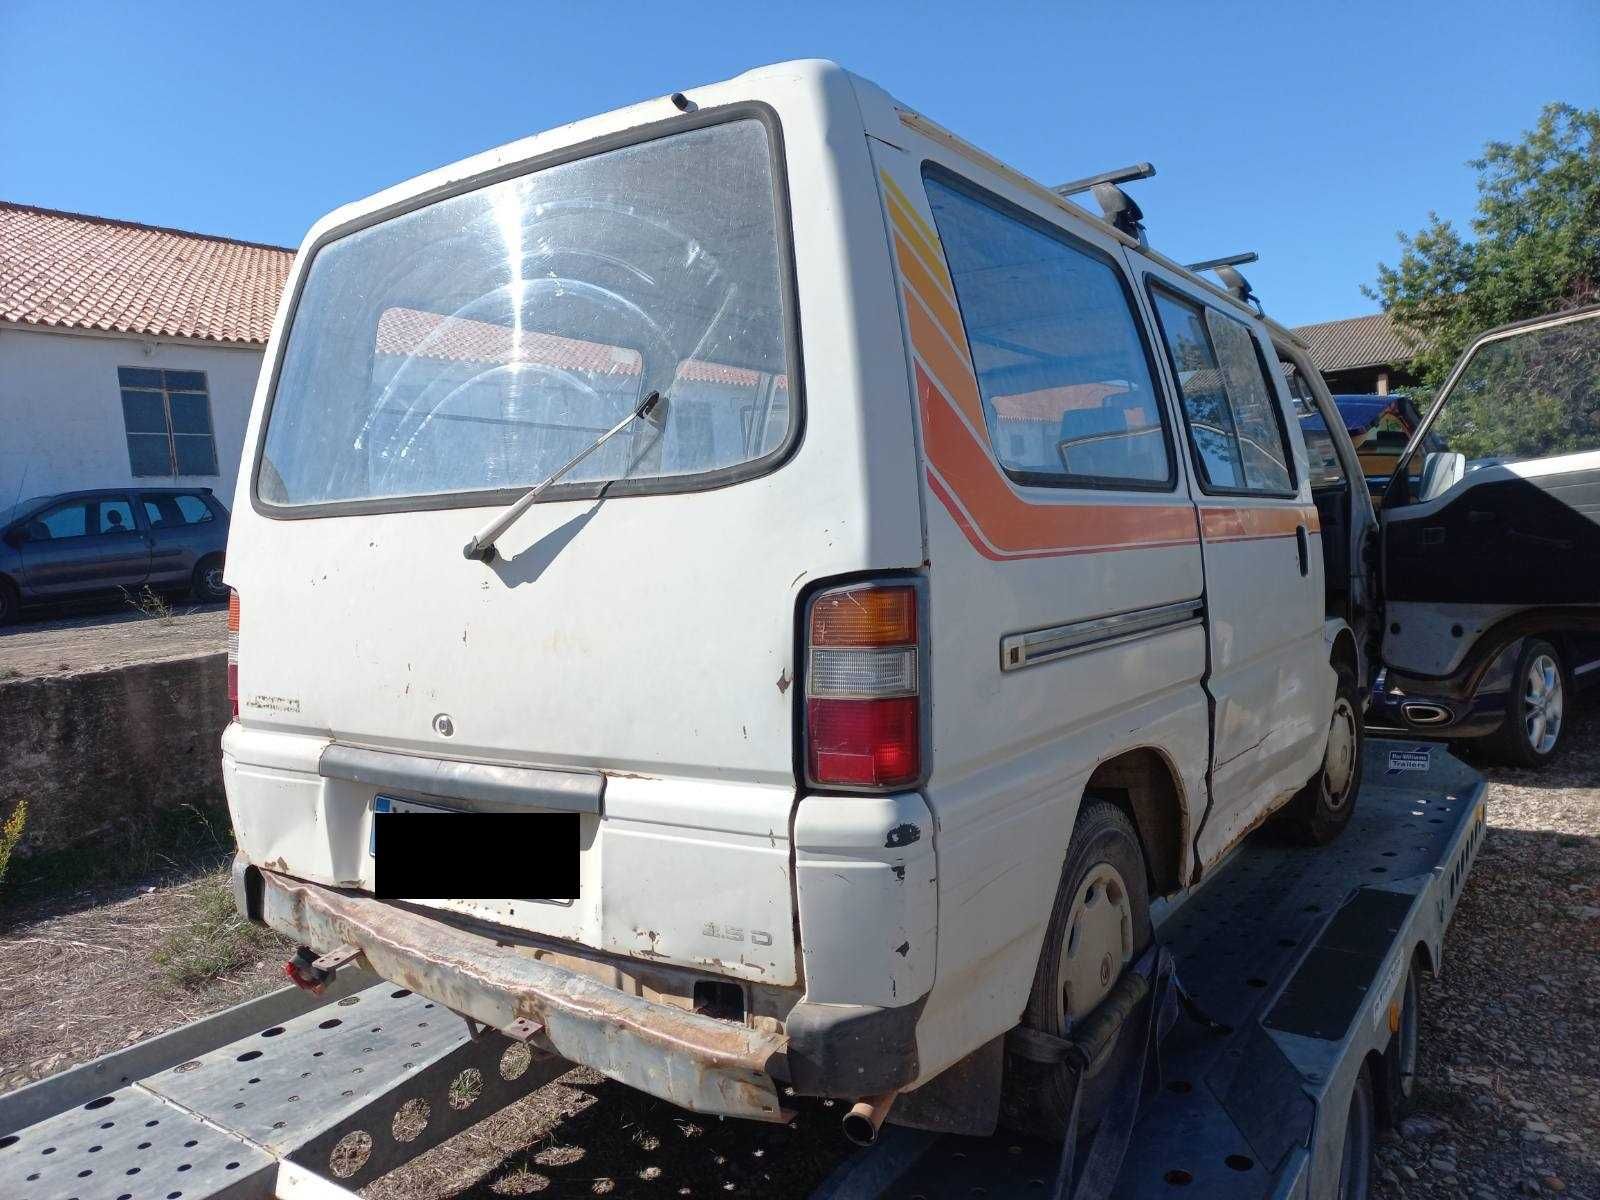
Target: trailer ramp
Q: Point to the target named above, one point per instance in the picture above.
(277, 1097)
(1301, 952)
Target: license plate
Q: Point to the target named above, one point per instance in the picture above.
(397, 804)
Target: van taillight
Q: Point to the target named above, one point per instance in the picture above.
(864, 687)
(233, 652)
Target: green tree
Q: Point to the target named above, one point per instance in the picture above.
(1535, 245)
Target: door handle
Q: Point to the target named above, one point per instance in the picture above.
(1304, 544)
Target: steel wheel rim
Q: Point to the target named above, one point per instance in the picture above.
(213, 580)
(1096, 946)
(1339, 760)
(1542, 704)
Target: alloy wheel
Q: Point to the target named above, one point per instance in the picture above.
(1543, 704)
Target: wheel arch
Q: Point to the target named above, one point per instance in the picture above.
(1145, 785)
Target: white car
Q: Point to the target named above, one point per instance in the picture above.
(927, 576)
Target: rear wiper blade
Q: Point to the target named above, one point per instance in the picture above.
(481, 547)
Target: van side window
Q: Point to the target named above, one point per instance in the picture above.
(1231, 408)
(1062, 367)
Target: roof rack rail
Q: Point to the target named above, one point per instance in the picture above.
(1231, 260)
(1119, 208)
(1121, 175)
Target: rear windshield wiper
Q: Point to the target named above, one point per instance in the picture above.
(481, 547)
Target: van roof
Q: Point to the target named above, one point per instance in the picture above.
(816, 69)
(936, 132)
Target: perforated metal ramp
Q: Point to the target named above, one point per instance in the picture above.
(348, 1085)
(1300, 951)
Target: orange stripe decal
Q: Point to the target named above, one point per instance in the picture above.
(919, 281)
(941, 361)
(1006, 525)
(1251, 524)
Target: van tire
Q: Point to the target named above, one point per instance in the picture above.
(1512, 743)
(207, 583)
(1104, 849)
(1321, 809)
(10, 601)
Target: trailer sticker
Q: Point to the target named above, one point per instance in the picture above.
(1418, 758)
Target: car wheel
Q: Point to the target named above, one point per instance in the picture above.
(208, 586)
(1536, 708)
(1320, 810)
(1100, 924)
(10, 603)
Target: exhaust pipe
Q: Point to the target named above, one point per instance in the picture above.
(1424, 714)
(862, 1122)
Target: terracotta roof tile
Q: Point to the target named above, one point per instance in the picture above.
(70, 271)
(1356, 342)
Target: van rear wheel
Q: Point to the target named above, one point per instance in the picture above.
(1320, 810)
(1100, 924)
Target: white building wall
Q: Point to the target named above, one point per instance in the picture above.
(61, 424)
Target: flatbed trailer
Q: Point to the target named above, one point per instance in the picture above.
(1302, 954)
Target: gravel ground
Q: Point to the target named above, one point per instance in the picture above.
(1509, 1073)
(1509, 1078)
(114, 638)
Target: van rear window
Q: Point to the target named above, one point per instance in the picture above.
(476, 344)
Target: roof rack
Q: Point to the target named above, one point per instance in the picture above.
(1119, 208)
(1231, 260)
(1226, 269)
(1121, 175)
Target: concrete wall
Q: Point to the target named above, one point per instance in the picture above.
(61, 424)
(98, 750)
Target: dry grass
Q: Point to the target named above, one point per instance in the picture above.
(213, 941)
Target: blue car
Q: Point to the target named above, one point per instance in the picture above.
(78, 544)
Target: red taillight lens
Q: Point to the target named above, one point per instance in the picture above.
(867, 743)
(233, 652)
(864, 687)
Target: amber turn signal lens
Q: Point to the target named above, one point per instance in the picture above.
(874, 616)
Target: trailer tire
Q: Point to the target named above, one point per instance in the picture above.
(1397, 1097)
(1102, 908)
(1321, 809)
(1360, 1135)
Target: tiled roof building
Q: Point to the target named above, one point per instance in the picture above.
(70, 271)
(1366, 355)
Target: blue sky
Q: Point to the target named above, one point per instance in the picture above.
(1310, 132)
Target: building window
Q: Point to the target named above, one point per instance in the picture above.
(168, 419)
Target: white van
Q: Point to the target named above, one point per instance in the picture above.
(963, 589)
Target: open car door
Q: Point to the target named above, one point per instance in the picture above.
(1498, 536)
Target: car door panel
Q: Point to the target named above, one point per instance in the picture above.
(1272, 691)
(105, 555)
(1511, 547)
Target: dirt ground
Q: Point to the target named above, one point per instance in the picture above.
(111, 637)
(1509, 1074)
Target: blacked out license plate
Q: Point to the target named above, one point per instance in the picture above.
(480, 856)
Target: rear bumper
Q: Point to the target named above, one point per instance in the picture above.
(698, 1062)
(695, 1061)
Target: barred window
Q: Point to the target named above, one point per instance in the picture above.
(167, 415)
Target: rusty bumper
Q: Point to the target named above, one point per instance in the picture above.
(697, 1062)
